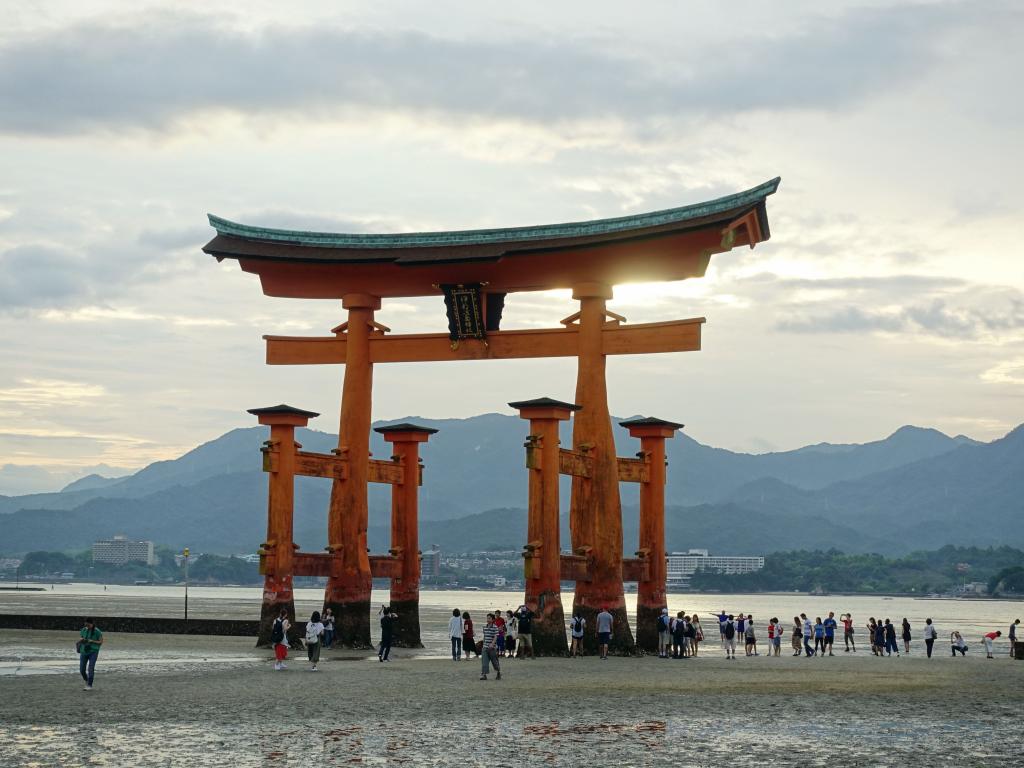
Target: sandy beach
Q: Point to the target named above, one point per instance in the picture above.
(177, 701)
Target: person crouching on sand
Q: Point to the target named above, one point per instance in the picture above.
(956, 643)
(279, 639)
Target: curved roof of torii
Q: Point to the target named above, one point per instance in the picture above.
(649, 247)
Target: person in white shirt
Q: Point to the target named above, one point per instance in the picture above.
(455, 628)
(314, 632)
(930, 633)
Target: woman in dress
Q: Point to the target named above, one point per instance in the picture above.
(906, 636)
(698, 633)
(468, 644)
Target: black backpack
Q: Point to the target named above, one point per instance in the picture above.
(277, 633)
(730, 630)
(577, 624)
(663, 623)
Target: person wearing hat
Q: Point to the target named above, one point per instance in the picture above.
(664, 634)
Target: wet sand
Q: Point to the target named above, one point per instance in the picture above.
(177, 701)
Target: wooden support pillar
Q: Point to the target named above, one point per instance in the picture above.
(348, 586)
(595, 514)
(405, 588)
(278, 551)
(542, 554)
(651, 597)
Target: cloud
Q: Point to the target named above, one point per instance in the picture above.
(151, 72)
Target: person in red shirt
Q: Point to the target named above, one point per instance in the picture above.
(988, 639)
(847, 620)
(499, 622)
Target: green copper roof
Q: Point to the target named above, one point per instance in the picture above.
(478, 236)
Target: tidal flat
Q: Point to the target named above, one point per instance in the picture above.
(166, 700)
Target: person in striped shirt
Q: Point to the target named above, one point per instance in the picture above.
(489, 653)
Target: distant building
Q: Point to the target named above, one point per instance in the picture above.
(430, 563)
(682, 565)
(250, 558)
(120, 550)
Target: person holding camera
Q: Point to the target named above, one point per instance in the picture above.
(88, 651)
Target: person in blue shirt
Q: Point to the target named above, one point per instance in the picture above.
(830, 625)
(819, 636)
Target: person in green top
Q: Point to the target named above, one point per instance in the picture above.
(89, 651)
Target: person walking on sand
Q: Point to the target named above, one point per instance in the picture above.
(1013, 636)
(387, 632)
(830, 631)
(906, 636)
(91, 638)
(730, 639)
(456, 629)
(848, 633)
(808, 634)
(468, 640)
(930, 633)
(576, 627)
(605, 621)
(328, 620)
(314, 631)
(489, 656)
(796, 635)
(722, 618)
(989, 638)
(279, 639)
(819, 637)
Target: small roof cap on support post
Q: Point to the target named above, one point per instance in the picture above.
(649, 426)
(405, 433)
(283, 414)
(545, 408)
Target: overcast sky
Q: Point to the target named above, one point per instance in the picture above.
(891, 292)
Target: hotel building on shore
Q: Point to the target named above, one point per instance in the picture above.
(120, 550)
(682, 565)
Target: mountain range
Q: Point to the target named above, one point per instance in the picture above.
(916, 489)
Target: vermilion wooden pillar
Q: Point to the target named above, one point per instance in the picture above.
(277, 552)
(405, 589)
(542, 566)
(348, 586)
(651, 597)
(595, 514)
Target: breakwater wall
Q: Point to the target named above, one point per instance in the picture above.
(145, 625)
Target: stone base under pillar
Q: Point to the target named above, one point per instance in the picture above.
(407, 625)
(268, 613)
(548, 629)
(647, 628)
(351, 624)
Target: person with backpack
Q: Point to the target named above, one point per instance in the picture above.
(88, 646)
(576, 627)
(279, 639)
(314, 631)
(680, 627)
(664, 634)
(729, 631)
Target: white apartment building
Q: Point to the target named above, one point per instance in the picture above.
(430, 563)
(120, 550)
(682, 565)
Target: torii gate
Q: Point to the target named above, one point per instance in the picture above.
(475, 270)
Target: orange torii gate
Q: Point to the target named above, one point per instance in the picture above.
(475, 271)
